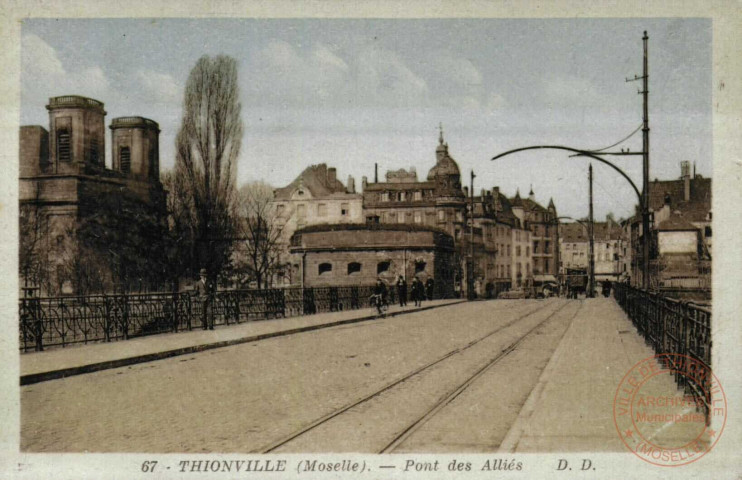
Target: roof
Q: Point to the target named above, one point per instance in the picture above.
(314, 178)
(695, 209)
(676, 223)
(577, 232)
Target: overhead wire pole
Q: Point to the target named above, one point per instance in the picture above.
(470, 268)
(591, 234)
(646, 234)
(643, 196)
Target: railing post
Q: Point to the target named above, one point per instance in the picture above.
(107, 318)
(176, 312)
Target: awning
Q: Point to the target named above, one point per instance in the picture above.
(545, 279)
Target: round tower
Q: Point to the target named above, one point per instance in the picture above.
(76, 133)
(135, 148)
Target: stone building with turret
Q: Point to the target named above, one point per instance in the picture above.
(86, 227)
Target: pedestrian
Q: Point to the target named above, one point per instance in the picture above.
(203, 291)
(402, 291)
(379, 296)
(429, 288)
(418, 292)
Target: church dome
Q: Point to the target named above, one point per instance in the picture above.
(445, 165)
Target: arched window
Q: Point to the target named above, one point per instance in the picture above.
(324, 268)
(125, 159)
(382, 267)
(63, 145)
(354, 267)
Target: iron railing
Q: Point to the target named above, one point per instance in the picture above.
(62, 321)
(675, 330)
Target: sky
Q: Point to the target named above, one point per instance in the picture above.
(355, 92)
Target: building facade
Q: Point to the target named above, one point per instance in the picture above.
(355, 255)
(315, 197)
(608, 248)
(544, 227)
(84, 227)
(681, 236)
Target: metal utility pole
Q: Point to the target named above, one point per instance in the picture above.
(470, 268)
(645, 168)
(591, 234)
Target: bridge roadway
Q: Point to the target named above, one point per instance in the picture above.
(508, 375)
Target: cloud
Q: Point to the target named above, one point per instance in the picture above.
(159, 87)
(285, 72)
(39, 58)
(383, 74)
(44, 74)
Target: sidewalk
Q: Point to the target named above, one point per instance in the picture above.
(571, 407)
(63, 362)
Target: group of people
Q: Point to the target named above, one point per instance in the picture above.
(419, 292)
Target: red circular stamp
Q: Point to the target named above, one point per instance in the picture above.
(670, 429)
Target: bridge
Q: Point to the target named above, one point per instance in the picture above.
(522, 375)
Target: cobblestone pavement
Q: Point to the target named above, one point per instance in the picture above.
(245, 398)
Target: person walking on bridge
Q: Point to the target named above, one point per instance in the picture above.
(402, 291)
(203, 291)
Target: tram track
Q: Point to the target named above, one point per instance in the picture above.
(406, 432)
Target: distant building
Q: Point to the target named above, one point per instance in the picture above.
(544, 227)
(315, 197)
(608, 247)
(354, 255)
(84, 227)
(681, 233)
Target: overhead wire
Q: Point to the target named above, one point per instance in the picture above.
(620, 141)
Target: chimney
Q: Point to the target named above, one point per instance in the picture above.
(351, 184)
(364, 182)
(376, 173)
(332, 176)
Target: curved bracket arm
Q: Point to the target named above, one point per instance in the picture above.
(580, 153)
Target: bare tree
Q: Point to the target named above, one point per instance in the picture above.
(207, 147)
(32, 248)
(257, 255)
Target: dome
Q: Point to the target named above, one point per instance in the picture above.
(446, 166)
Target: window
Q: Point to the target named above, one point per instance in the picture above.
(546, 267)
(401, 196)
(385, 197)
(546, 247)
(321, 209)
(400, 218)
(517, 251)
(301, 211)
(382, 267)
(125, 159)
(418, 195)
(459, 216)
(441, 215)
(707, 231)
(419, 267)
(280, 209)
(324, 268)
(391, 217)
(418, 217)
(94, 152)
(63, 145)
(354, 267)
(509, 270)
(528, 251)
(508, 250)
(344, 209)
(535, 246)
